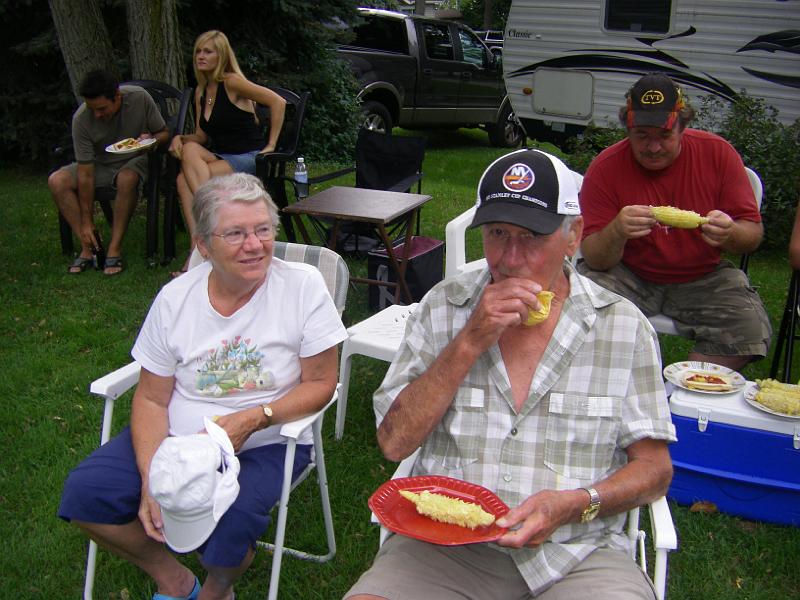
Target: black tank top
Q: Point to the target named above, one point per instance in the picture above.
(231, 129)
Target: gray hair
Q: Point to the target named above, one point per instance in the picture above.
(236, 187)
(566, 224)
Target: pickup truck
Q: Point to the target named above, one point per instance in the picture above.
(418, 72)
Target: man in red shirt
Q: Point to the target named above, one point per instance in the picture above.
(677, 272)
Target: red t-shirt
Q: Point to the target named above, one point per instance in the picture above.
(708, 174)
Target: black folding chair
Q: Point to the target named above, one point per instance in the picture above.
(383, 162)
(271, 168)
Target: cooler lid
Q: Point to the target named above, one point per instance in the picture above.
(731, 409)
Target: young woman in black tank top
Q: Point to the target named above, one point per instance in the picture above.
(226, 136)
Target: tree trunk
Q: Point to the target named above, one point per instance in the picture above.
(83, 38)
(488, 8)
(155, 41)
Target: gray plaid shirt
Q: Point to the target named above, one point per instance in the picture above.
(597, 389)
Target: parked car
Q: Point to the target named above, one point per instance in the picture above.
(418, 72)
(493, 40)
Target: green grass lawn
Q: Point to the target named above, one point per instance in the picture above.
(59, 332)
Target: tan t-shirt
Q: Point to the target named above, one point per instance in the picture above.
(138, 114)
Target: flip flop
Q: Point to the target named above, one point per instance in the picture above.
(113, 262)
(81, 264)
(192, 595)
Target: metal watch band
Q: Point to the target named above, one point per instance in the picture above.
(590, 512)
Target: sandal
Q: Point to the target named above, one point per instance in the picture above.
(113, 262)
(192, 595)
(80, 264)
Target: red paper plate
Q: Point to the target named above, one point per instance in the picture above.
(400, 515)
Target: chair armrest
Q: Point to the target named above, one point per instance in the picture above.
(405, 184)
(116, 383)
(332, 175)
(293, 429)
(455, 242)
(664, 536)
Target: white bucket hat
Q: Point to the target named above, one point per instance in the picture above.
(186, 482)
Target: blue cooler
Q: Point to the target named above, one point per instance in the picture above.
(742, 459)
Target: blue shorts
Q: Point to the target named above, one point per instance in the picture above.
(241, 163)
(106, 488)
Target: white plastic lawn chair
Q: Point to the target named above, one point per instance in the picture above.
(378, 336)
(662, 529)
(336, 275)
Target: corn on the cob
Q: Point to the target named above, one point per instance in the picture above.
(676, 217)
(780, 397)
(449, 510)
(537, 316)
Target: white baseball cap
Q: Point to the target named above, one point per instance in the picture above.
(194, 480)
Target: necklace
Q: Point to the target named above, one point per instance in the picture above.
(210, 101)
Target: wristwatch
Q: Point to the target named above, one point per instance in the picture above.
(267, 413)
(590, 512)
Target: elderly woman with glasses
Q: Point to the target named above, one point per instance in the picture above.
(245, 339)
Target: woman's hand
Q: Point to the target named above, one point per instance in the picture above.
(267, 149)
(150, 516)
(240, 425)
(176, 146)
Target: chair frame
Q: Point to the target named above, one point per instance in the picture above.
(118, 382)
(665, 539)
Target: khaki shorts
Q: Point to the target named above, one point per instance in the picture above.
(105, 175)
(407, 569)
(721, 311)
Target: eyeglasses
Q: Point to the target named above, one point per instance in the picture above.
(497, 236)
(236, 237)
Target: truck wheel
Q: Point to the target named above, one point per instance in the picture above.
(376, 117)
(507, 132)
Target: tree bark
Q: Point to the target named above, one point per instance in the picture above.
(155, 42)
(488, 8)
(83, 38)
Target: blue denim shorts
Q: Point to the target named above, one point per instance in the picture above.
(241, 163)
(106, 488)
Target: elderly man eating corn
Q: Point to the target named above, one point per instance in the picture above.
(659, 209)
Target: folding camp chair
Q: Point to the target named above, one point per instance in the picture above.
(115, 384)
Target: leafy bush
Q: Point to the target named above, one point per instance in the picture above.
(767, 146)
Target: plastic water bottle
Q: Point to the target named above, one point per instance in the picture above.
(301, 178)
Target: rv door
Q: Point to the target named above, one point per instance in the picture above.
(563, 93)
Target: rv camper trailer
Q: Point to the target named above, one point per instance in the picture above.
(567, 64)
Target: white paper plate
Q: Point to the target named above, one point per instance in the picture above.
(750, 398)
(675, 373)
(140, 146)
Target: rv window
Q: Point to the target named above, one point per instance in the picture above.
(377, 33)
(438, 44)
(474, 52)
(637, 16)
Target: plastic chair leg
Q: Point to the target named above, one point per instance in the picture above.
(344, 381)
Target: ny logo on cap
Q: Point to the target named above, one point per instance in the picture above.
(518, 178)
(652, 97)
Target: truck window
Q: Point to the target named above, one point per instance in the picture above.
(388, 35)
(474, 52)
(641, 17)
(438, 44)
